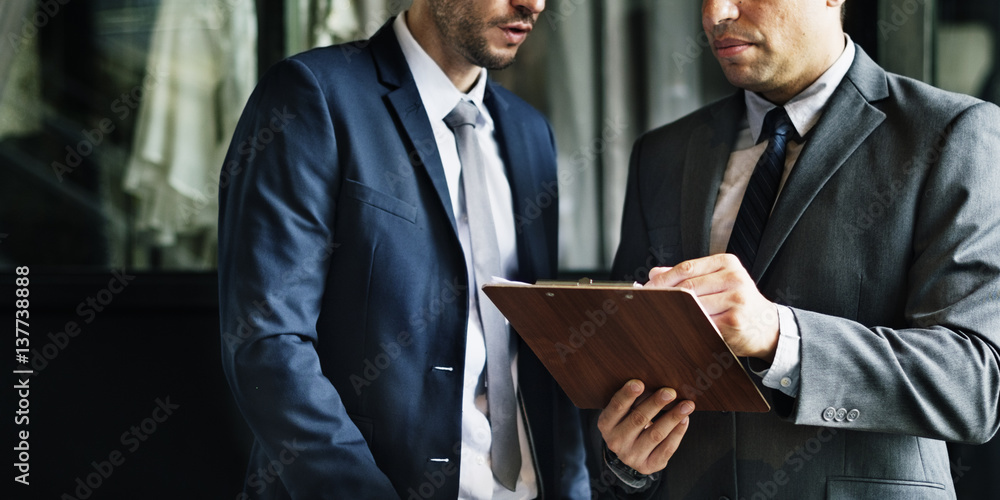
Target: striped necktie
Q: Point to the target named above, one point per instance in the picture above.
(762, 191)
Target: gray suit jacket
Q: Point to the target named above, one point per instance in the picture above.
(886, 245)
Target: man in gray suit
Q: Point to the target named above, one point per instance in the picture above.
(841, 225)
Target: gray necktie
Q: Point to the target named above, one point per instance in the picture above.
(505, 452)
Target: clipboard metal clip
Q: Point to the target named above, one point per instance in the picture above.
(587, 282)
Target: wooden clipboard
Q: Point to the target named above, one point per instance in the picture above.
(594, 337)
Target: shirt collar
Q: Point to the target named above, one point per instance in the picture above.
(437, 93)
(806, 108)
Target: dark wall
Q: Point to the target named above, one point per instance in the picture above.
(155, 344)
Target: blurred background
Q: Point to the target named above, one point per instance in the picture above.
(115, 114)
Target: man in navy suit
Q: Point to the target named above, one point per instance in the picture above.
(346, 274)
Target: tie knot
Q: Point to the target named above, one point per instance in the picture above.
(465, 113)
(777, 122)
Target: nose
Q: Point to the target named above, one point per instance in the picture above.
(534, 6)
(716, 12)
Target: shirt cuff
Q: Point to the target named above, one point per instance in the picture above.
(783, 374)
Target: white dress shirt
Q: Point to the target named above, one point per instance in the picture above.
(805, 111)
(439, 97)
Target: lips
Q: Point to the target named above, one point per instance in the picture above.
(516, 32)
(517, 27)
(729, 47)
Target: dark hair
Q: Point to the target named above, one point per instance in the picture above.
(843, 13)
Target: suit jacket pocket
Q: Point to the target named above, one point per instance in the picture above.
(883, 489)
(377, 199)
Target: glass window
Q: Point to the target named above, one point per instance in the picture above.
(114, 116)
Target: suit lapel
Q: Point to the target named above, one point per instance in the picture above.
(847, 122)
(406, 106)
(704, 166)
(523, 186)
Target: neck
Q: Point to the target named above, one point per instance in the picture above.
(462, 73)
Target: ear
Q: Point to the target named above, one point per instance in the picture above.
(835, 3)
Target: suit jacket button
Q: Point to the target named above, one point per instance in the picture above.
(853, 415)
(841, 415)
(829, 413)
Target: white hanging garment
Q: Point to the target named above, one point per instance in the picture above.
(201, 70)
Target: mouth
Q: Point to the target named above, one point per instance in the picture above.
(729, 47)
(516, 32)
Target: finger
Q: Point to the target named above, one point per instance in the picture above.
(645, 452)
(619, 405)
(708, 284)
(621, 438)
(689, 269)
(677, 420)
(656, 271)
(718, 303)
(643, 414)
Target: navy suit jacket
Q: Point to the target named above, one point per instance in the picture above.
(343, 284)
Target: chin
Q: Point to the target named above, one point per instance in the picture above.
(743, 78)
(498, 65)
(494, 59)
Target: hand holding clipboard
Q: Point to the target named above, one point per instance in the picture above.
(593, 338)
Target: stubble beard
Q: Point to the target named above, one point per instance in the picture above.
(463, 30)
